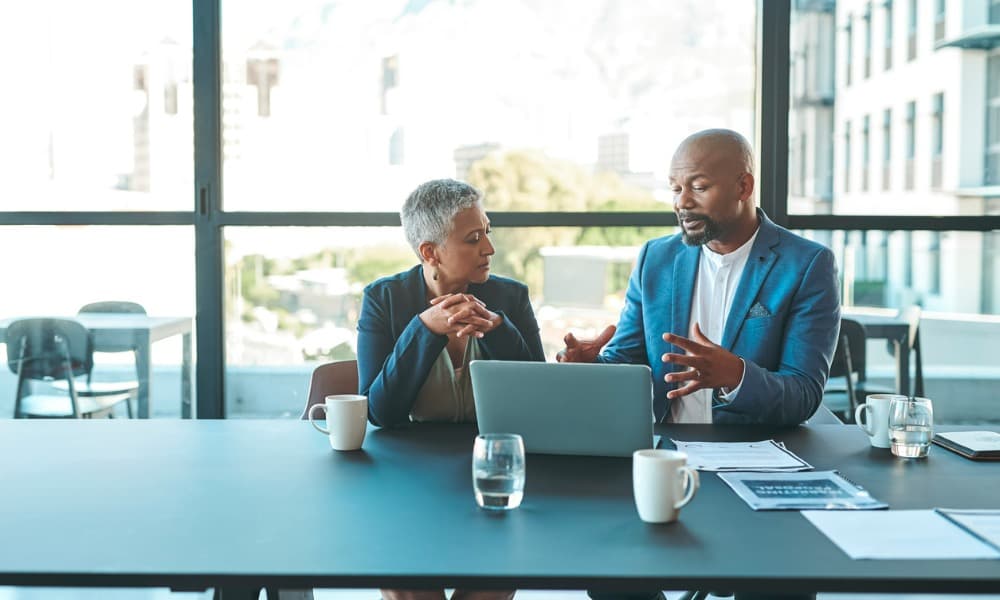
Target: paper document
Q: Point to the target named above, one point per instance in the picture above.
(898, 534)
(766, 455)
(819, 490)
(984, 524)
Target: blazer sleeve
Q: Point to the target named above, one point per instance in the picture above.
(391, 371)
(517, 337)
(792, 394)
(628, 345)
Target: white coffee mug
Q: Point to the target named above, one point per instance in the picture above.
(662, 483)
(346, 420)
(876, 418)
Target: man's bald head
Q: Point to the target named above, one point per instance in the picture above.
(711, 176)
(717, 145)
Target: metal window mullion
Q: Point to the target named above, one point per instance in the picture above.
(772, 93)
(209, 271)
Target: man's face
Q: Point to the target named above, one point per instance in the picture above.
(707, 188)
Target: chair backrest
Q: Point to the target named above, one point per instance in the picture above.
(114, 306)
(339, 377)
(850, 355)
(823, 416)
(41, 348)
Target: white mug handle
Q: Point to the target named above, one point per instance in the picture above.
(865, 426)
(312, 411)
(691, 483)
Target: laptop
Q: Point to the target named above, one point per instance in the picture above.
(566, 408)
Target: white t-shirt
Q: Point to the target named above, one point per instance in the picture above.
(714, 289)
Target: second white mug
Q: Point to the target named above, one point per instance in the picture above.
(662, 483)
(876, 418)
(346, 420)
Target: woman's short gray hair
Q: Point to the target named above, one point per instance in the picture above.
(429, 212)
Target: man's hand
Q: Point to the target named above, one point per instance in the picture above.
(710, 365)
(460, 315)
(584, 351)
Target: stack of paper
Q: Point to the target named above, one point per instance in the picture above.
(767, 455)
(900, 534)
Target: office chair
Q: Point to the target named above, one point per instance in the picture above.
(849, 362)
(96, 389)
(50, 350)
(338, 377)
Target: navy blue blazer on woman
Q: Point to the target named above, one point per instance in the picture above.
(396, 350)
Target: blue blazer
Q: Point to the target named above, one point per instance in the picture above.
(396, 350)
(783, 323)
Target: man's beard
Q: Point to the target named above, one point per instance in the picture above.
(709, 230)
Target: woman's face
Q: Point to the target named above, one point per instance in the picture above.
(465, 255)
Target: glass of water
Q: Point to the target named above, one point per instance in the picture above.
(498, 470)
(911, 426)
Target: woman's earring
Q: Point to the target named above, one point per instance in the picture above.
(434, 274)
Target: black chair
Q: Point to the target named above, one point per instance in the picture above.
(850, 363)
(93, 389)
(49, 350)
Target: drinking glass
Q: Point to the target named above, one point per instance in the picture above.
(911, 426)
(498, 470)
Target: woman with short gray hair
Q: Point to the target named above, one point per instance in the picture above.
(420, 329)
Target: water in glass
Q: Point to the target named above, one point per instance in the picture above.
(498, 471)
(499, 490)
(911, 441)
(911, 426)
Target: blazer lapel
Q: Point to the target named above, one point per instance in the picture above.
(685, 271)
(759, 263)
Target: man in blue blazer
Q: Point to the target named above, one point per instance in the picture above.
(736, 316)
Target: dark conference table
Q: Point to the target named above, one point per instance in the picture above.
(238, 505)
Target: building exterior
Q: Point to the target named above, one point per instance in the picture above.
(892, 112)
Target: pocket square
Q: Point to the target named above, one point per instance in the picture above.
(758, 310)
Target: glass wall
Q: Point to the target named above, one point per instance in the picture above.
(293, 295)
(348, 106)
(940, 167)
(96, 116)
(55, 271)
(952, 276)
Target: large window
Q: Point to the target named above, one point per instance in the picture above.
(293, 295)
(348, 106)
(95, 116)
(911, 30)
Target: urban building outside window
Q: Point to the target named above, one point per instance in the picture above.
(994, 12)
(937, 139)
(886, 149)
(847, 156)
(911, 31)
(848, 52)
(868, 41)
(865, 153)
(991, 168)
(887, 61)
(939, 20)
(911, 144)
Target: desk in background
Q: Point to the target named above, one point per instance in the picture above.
(116, 329)
(888, 324)
(248, 503)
